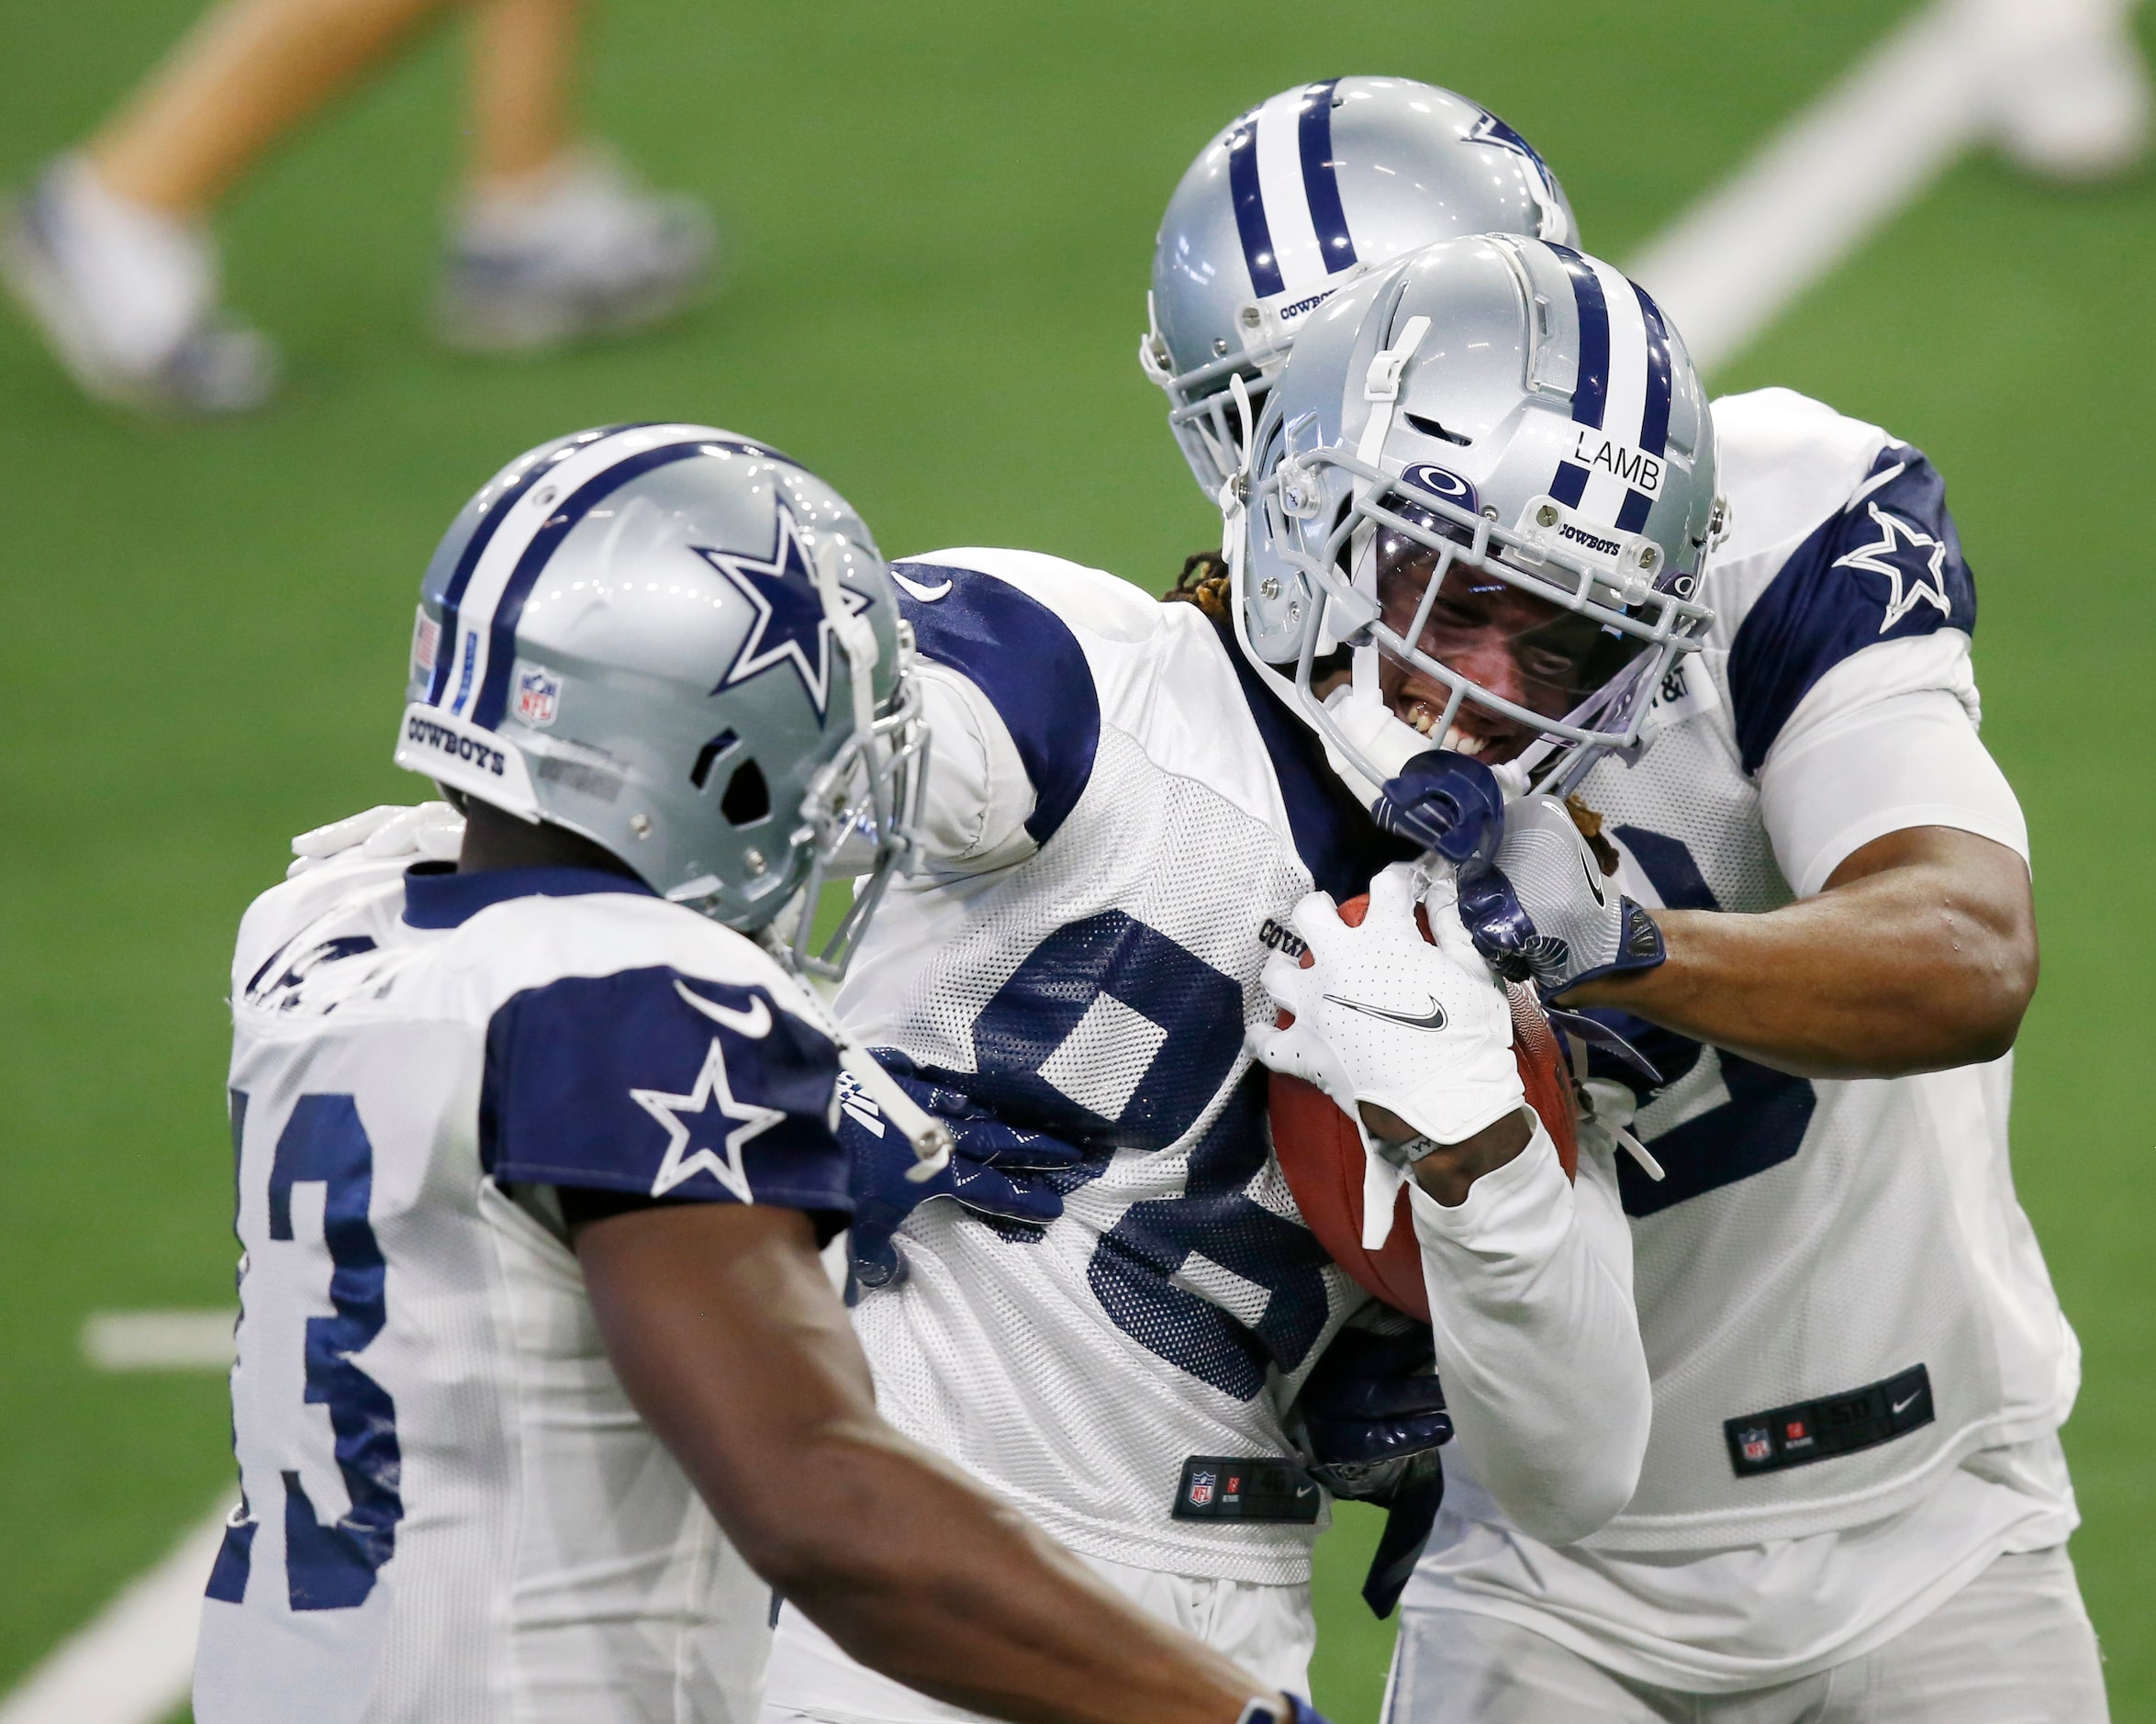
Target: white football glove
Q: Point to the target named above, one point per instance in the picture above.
(1548, 909)
(426, 832)
(1384, 1016)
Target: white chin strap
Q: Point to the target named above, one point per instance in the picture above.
(1380, 738)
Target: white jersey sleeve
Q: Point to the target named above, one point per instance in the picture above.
(1530, 1284)
(1884, 740)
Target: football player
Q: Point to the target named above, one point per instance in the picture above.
(1819, 934)
(540, 1382)
(1123, 813)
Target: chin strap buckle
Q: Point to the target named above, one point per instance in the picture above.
(1382, 383)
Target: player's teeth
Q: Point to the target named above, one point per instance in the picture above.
(1461, 743)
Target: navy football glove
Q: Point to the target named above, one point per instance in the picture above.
(989, 1173)
(1373, 1414)
(1447, 802)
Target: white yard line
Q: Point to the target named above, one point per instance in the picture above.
(134, 1663)
(1838, 171)
(1725, 271)
(157, 1340)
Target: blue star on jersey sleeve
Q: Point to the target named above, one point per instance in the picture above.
(1888, 566)
(664, 1085)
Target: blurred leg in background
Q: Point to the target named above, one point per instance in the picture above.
(2069, 88)
(111, 251)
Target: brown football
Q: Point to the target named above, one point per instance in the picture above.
(1322, 1154)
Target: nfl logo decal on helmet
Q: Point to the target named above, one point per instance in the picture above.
(1296, 198)
(684, 646)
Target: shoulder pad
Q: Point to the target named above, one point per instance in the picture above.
(1886, 565)
(994, 626)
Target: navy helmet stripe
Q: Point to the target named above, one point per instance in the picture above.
(460, 578)
(508, 610)
(1250, 201)
(1591, 393)
(1321, 186)
(1654, 422)
(483, 532)
(1633, 513)
(1570, 484)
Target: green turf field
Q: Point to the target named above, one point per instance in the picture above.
(940, 220)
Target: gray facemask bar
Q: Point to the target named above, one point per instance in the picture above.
(1607, 719)
(870, 792)
(1200, 400)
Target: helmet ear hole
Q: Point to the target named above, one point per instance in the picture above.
(748, 797)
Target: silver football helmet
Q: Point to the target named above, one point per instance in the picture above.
(1295, 199)
(1475, 513)
(685, 647)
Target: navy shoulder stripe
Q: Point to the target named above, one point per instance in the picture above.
(1886, 568)
(663, 1084)
(1025, 659)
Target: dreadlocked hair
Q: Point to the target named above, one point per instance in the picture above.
(1203, 583)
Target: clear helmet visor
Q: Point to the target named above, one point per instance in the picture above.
(1490, 654)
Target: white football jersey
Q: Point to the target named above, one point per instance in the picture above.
(1844, 1307)
(1121, 824)
(450, 1511)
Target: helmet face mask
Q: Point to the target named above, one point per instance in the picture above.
(681, 645)
(1494, 635)
(1402, 511)
(1298, 199)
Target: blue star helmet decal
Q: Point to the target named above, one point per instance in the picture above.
(1884, 555)
(789, 627)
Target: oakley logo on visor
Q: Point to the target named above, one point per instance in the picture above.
(1439, 482)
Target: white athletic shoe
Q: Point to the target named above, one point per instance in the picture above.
(591, 253)
(127, 299)
(2068, 88)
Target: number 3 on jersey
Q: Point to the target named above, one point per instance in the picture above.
(327, 1566)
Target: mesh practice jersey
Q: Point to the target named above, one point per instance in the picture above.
(1844, 1307)
(1120, 825)
(450, 1511)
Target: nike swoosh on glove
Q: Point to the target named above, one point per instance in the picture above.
(993, 1171)
(1384, 1016)
(1544, 910)
(425, 831)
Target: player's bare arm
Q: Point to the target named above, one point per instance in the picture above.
(1920, 954)
(728, 1336)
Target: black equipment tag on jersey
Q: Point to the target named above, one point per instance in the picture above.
(1833, 1425)
(1246, 1487)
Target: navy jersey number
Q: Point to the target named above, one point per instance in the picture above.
(1146, 1266)
(1763, 1122)
(332, 1566)
(1107, 992)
